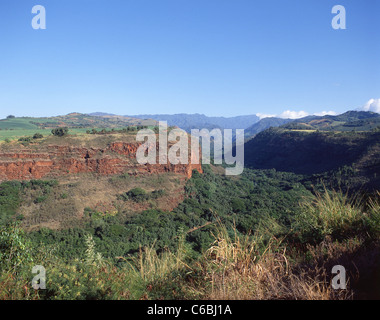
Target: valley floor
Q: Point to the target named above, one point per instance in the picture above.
(263, 235)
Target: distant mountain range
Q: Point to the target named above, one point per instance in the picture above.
(253, 125)
(264, 124)
(348, 121)
(196, 121)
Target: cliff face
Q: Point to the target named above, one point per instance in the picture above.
(54, 161)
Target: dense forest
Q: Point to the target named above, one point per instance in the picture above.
(265, 216)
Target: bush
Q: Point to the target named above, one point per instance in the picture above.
(38, 136)
(25, 139)
(14, 248)
(60, 132)
(373, 220)
(9, 199)
(139, 195)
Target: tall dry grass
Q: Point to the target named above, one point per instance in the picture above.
(151, 266)
(240, 268)
(329, 213)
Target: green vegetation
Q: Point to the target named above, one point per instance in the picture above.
(130, 129)
(15, 250)
(264, 229)
(266, 234)
(19, 123)
(235, 265)
(245, 202)
(9, 199)
(15, 134)
(11, 195)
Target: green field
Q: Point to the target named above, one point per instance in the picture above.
(15, 128)
(15, 134)
(21, 123)
(18, 133)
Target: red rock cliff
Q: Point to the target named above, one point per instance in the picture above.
(54, 161)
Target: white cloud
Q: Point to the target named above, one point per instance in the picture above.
(288, 114)
(284, 115)
(372, 105)
(293, 114)
(263, 115)
(325, 113)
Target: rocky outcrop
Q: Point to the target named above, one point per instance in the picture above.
(54, 161)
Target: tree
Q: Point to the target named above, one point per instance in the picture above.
(60, 132)
(11, 116)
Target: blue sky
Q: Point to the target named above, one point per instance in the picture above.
(217, 57)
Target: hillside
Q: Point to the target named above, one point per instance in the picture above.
(348, 121)
(264, 124)
(72, 120)
(15, 128)
(311, 152)
(89, 171)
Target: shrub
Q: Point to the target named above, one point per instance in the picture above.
(14, 248)
(38, 136)
(136, 194)
(139, 195)
(25, 139)
(60, 132)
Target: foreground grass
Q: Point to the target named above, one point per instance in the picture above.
(295, 264)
